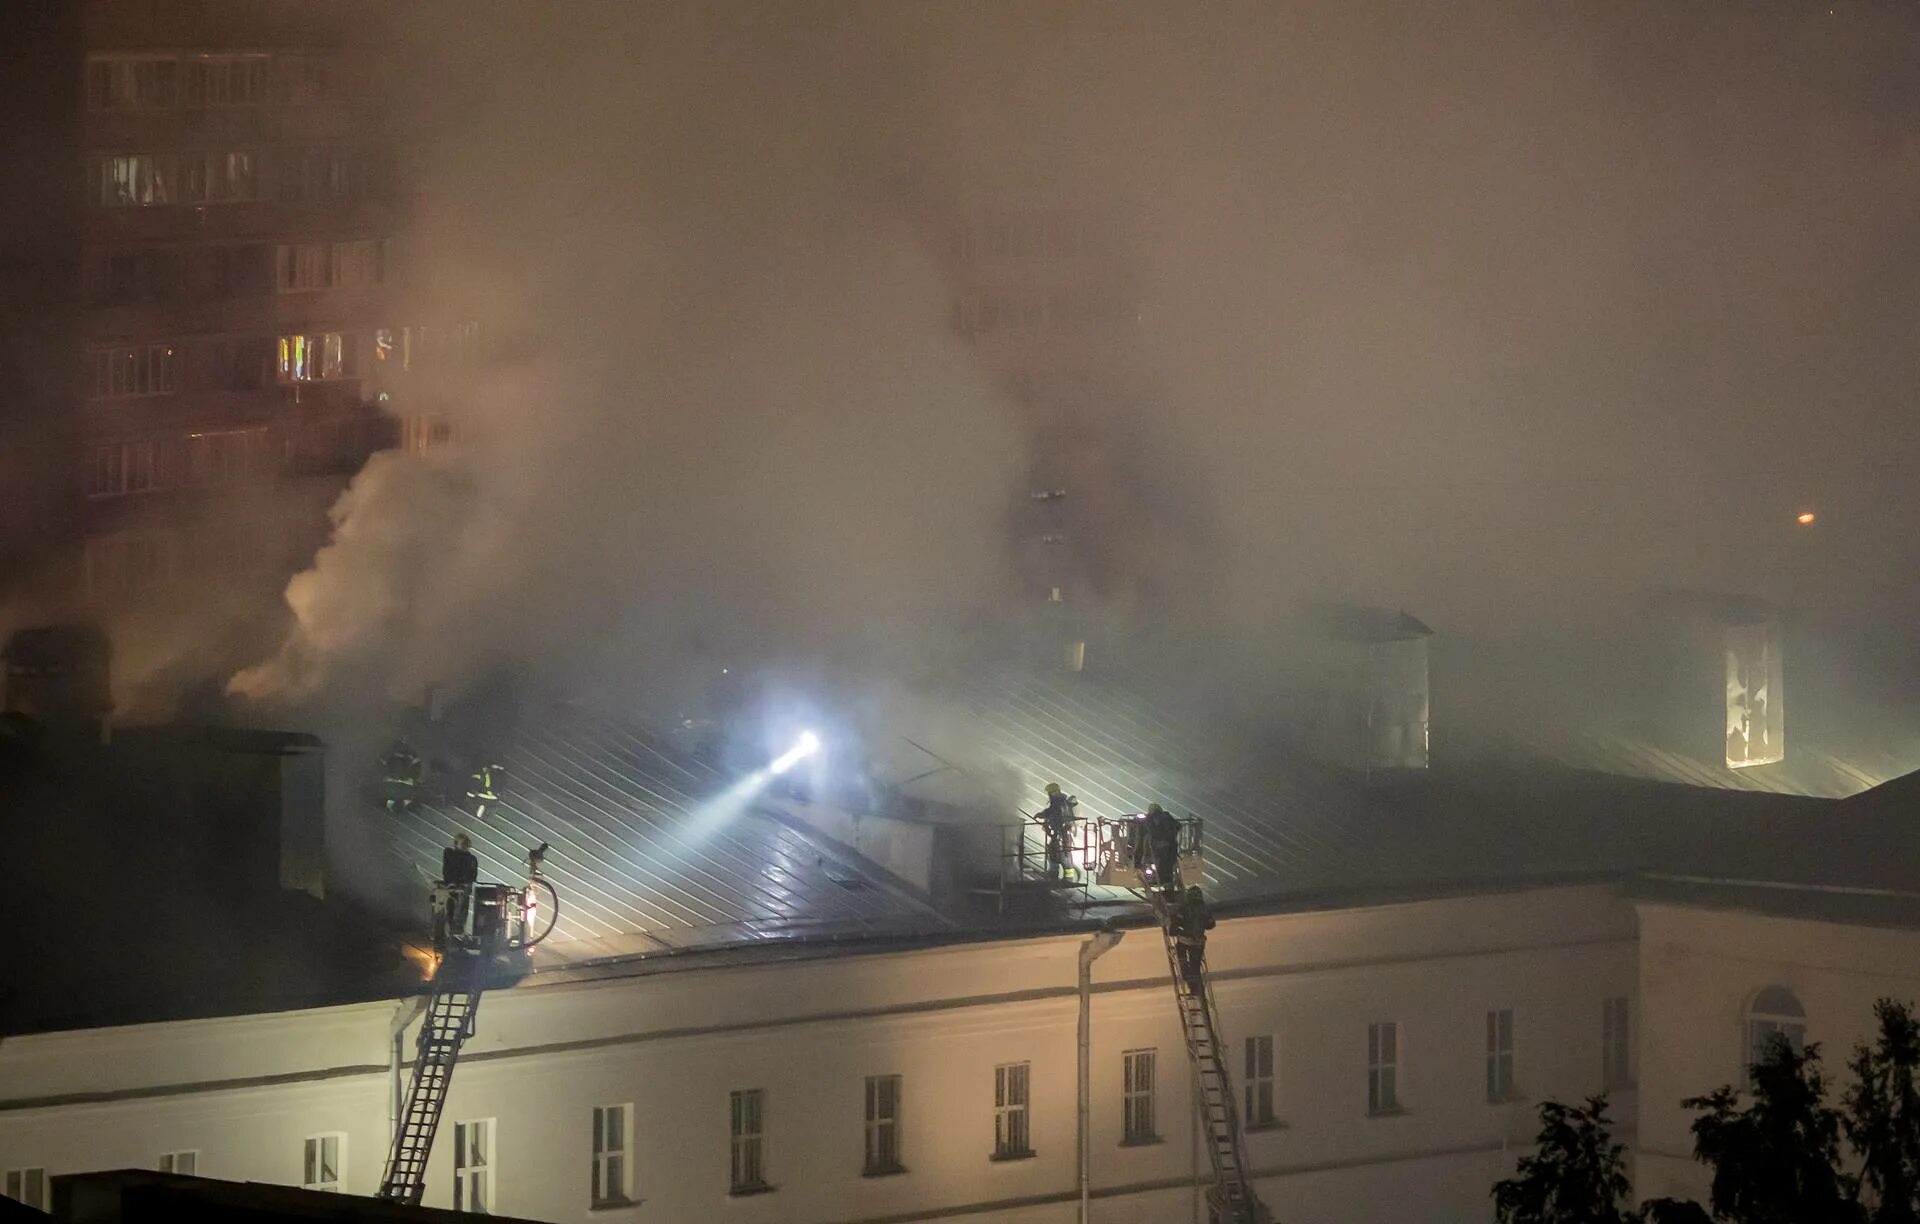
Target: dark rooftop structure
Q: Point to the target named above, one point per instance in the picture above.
(133, 1196)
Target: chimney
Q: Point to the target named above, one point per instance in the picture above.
(1369, 691)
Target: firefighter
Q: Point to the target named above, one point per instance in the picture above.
(459, 872)
(401, 771)
(481, 788)
(1161, 835)
(1189, 921)
(1058, 818)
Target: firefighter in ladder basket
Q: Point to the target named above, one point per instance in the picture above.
(1157, 847)
(1058, 819)
(459, 872)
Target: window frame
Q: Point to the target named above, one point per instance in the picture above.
(154, 370)
(113, 60)
(260, 81)
(1501, 1084)
(315, 1161)
(1259, 1083)
(882, 1154)
(1616, 1042)
(617, 1157)
(747, 1146)
(1139, 1096)
(1792, 1025)
(15, 1187)
(1013, 1111)
(1383, 1068)
(467, 1173)
(170, 1162)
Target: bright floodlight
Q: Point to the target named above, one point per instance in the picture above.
(804, 747)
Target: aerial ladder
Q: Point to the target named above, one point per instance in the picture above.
(482, 932)
(1124, 859)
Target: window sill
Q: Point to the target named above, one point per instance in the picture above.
(1010, 1157)
(1254, 1128)
(1397, 1111)
(749, 1191)
(890, 1171)
(1147, 1141)
(613, 1205)
(1512, 1098)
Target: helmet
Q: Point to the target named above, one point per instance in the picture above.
(462, 842)
(1154, 809)
(1053, 788)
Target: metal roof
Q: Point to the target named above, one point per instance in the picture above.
(1272, 822)
(643, 857)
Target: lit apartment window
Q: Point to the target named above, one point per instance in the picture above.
(130, 82)
(611, 1124)
(1383, 1068)
(29, 1186)
(1500, 1055)
(141, 369)
(1616, 1043)
(473, 1166)
(326, 1164)
(1259, 1082)
(120, 468)
(883, 1125)
(1774, 1016)
(1011, 1137)
(183, 1163)
(226, 80)
(220, 176)
(748, 1129)
(1136, 1097)
(317, 357)
(134, 180)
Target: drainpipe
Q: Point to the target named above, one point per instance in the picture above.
(1090, 951)
(405, 1014)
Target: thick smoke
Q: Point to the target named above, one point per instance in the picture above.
(719, 407)
(1511, 317)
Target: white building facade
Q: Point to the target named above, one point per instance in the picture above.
(1396, 1050)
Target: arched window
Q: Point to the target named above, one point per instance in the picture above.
(1774, 1014)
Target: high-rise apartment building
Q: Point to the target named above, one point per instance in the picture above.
(225, 185)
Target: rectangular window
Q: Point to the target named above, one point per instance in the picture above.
(1500, 1055)
(29, 1186)
(304, 266)
(1616, 1043)
(301, 266)
(883, 1125)
(1137, 1097)
(220, 176)
(748, 1121)
(183, 1163)
(473, 1166)
(120, 468)
(1383, 1068)
(130, 82)
(318, 357)
(1011, 1138)
(226, 80)
(326, 1164)
(1259, 1082)
(149, 275)
(238, 365)
(134, 180)
(302, 80)
(611, 1124)
(145, 369)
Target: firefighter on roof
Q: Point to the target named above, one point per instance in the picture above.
(401, 771)
(481, 789)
